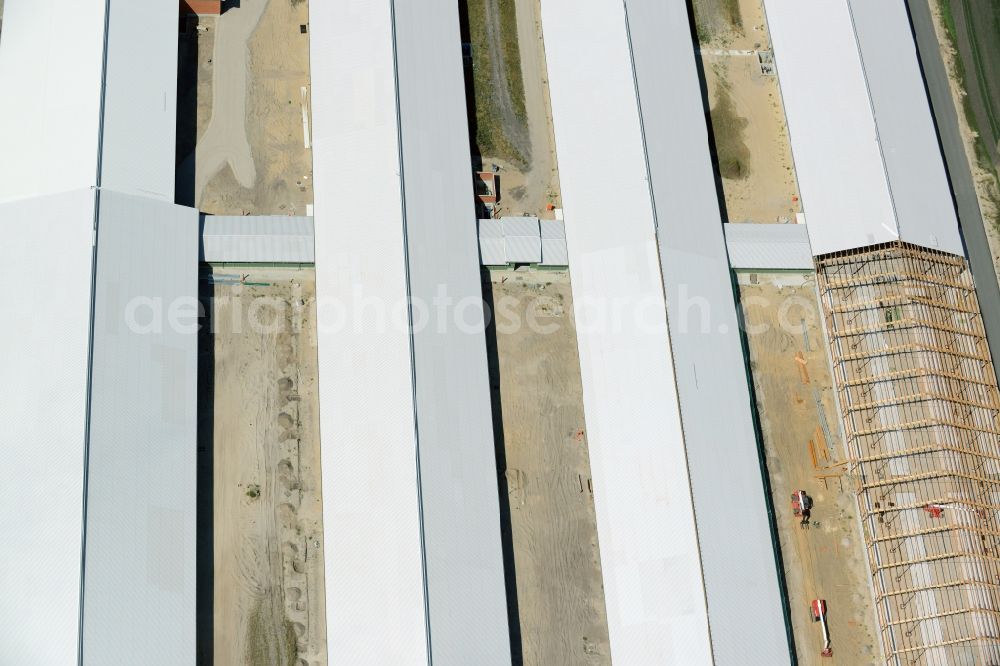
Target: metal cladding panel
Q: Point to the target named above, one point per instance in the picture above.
(552, 229)
(523, 249)
(257, 239)
(140, 103)
(490, 228)
(466, 595)
(50, 74)
(47, 257)
(706, 341)
(917, 178)
(492, 252)
(769, 246)
(520, 226)
(845, 194)
(645, 519)
(139, 578)
(374, 575)
(554, 252)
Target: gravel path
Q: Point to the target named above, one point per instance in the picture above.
(225, 140)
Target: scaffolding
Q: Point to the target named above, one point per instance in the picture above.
(921, 412)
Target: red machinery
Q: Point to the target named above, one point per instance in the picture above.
(818, 608)
(802, 506)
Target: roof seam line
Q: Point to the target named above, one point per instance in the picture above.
(409, 337)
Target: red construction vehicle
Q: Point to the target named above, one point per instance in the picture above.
(802, 506)
(818, 608)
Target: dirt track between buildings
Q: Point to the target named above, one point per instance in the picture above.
(249, 95)
(794, 390)
(268, 544)
(529, 179)
(538, 391)
(748, 117)
(511, 123)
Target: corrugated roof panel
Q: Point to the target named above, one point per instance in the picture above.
(769, 246)
(919, 185)
(374, 570)
(490, 228)
(50, 67)
(46, 256)
(554, 252)
(866, 153)
(709, 365)
(654, 590)
(140, 103)
(520, 226)
(141, 490)
(834, 141)
(492, 252)
(523, 249)
(552, 229)
(253, 239)
(466, 598)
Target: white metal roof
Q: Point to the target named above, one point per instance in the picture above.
(520, 226)
(374, 575)
(492, 249)
(769, 246)
(466, 595)
(522, 240)
(139, 584)
(51, 69)
(257, 239)
(44, 347)
(50, 73)
(865, 149)
(649, 549)
(140, 104)
(523, 249)
(554, 252)
(140, 517)
(709, 364)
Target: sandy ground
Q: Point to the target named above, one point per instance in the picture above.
(796, 404)
(987, 190)
(530, 191)
(560, 595)
(268, 576)
(252, 155)
(769, 192)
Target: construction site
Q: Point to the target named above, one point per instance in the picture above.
(877, 400)
(920, 406)
(452, 400)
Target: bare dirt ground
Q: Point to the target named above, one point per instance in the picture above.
(796, 403)
(252, 154)
(268, 544)
(748, 119)
(538, 391)
(528, 186)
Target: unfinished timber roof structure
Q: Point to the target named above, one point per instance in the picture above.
(921, 411)
(917, 388)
